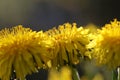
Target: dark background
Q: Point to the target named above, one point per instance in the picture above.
(45, 14)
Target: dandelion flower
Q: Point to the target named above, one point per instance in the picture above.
(70, 43)
(20, 51)
(107, 45)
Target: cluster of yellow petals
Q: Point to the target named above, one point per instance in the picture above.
(70, 43)
(106, 45)
(22, 51)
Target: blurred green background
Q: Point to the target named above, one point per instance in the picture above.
(45, 14)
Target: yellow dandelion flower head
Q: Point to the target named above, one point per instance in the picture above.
(107, 45)
(19, 52)
(70, 43)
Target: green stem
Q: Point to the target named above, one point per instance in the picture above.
(116, 74)
(75, 74)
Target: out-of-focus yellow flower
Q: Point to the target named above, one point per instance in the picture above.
(107, 45)
(21, 50)
(98, 76)
(63, 74)
(93, 28)
(70, 43)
